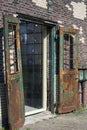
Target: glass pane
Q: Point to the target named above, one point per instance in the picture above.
(38, 48)
(30, 48)
(30, 27)
(69, 50)
(37, 28)
(31, 38)
(32, 54)
(37, 59)
(24, 38)
(23, 28)
(34, 38)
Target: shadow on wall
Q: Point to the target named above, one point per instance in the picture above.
(3, 88)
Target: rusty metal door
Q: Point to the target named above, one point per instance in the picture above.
(14, 73)
(68, 70)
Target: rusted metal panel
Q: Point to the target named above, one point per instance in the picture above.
(68, 70)
(14, 107)
(14, 73)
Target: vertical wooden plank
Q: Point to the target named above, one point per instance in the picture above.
(53, 67)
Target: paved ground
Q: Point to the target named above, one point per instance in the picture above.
(71, 121)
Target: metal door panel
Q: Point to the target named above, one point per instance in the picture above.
(68, 70)
(13, 73)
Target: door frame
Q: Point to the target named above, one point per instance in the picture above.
(53, 28)
(44, 81)
(44, 72)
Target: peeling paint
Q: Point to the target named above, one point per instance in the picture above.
(75, 26)
(82, 40)
(81, 30)
(61, 25)
(40, 3)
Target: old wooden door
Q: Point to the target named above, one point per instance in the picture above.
(68, 70)
(14, 73)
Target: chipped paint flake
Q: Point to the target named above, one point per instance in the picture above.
(82, 40)
(40, 3)
(79, 10)
(69, 8)
(81, 30)
(75, 26)
(60, 22)
(61, 25)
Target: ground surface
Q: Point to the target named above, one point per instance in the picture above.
(71, 121)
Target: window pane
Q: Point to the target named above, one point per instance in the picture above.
(69, 45)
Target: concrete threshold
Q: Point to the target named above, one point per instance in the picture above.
(38, 117)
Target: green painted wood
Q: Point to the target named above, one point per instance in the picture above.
(61, 49)
(14, 81)
(68, 78)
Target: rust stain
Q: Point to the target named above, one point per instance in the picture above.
(18, 41)
(14, 80)
(14, 105)
(61, 30)
(68, 72)
(69, 95)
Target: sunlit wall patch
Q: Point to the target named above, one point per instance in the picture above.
(41, 3)
(79, 9)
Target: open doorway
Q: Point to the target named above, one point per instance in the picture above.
(34, 66)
